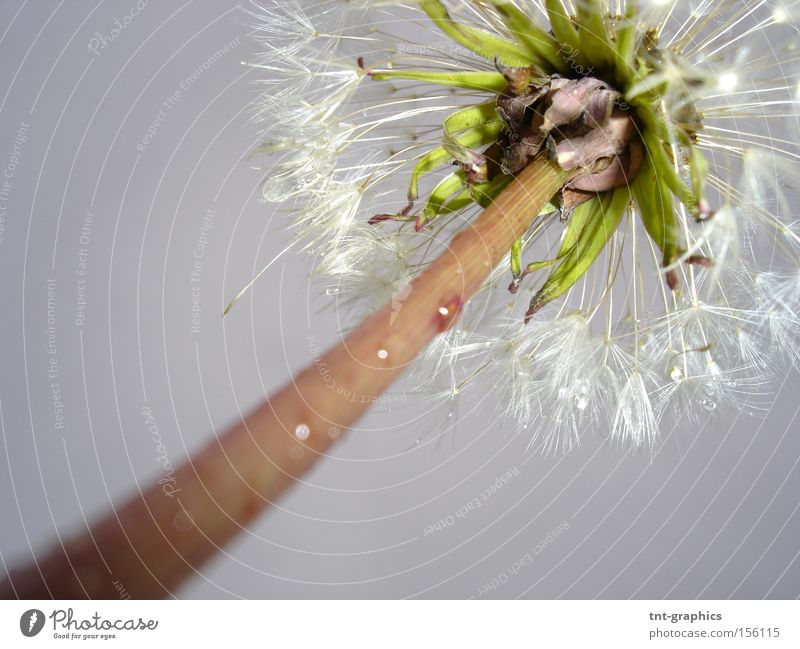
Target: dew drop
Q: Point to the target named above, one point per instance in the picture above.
(382, 353)
(334, 432)
(581, 402)
(709, 404)
(302, 431)
(447, 313)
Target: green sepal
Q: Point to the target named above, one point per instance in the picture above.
(590, 228)
(698, 166)
(541, 45)
(548, 208)
(457, 203)
(540, 265)
(485, 193)
(472, 80)
(471, 117)
(516, 259)
(646, 84)
(626, 45)
(446, 188)
(475, 137)
(481, 42)
(656, 211)
(564, 30)
(592, 33)
(650, 117)
(568, 240)
(667, 173)
(482, 194)
(627, 33)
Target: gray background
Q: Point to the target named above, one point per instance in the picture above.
(713, 512)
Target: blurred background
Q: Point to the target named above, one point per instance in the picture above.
(130, 216)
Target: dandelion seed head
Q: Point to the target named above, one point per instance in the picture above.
(378, 124)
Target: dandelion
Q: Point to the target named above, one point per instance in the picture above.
(630, 160)
(661, 282)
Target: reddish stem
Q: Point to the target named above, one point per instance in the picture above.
(152, 543)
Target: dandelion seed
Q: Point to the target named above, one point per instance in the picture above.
(634, 420)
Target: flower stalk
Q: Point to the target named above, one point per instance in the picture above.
(154, 542)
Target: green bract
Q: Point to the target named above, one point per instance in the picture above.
(611, 49)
